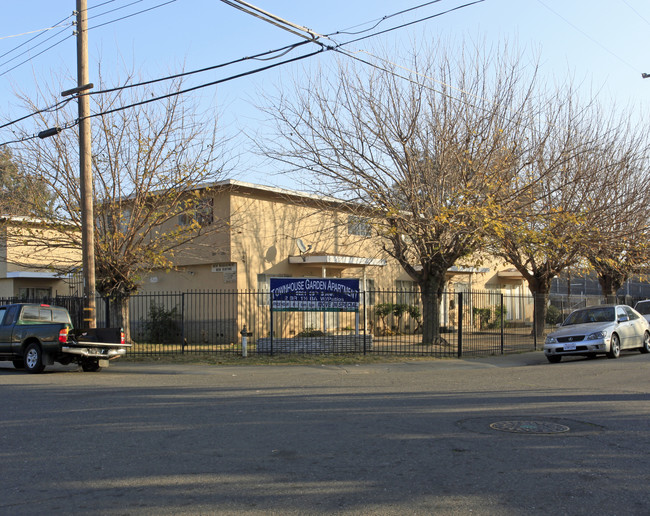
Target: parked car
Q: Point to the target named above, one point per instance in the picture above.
(643, 307)
(603, 329)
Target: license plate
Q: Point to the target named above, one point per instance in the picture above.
(569, 346)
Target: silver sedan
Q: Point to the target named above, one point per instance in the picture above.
(604, 329)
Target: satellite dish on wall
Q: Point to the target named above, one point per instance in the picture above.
(301, 246)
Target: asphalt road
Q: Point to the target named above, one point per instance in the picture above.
(500, 436)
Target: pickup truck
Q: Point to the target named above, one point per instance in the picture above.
(35, 335)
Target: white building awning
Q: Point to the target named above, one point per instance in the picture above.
(335, 259)
(510, 274)
(36, 275)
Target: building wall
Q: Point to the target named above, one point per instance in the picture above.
(31, 248)
(261, 231)
(34, 260)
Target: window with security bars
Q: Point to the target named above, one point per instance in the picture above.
(202, 212)
(407, 292)
(359, 226)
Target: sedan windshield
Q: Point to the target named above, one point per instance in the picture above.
(589, 315)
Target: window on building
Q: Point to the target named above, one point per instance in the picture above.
(264, 287)
(407, 292)
(202, 211)
(34, 293)
(370, 291)
(359, 226)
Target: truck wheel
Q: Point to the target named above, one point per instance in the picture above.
(19, 364)
(34, 358)
(90, 366)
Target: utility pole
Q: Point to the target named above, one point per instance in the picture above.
(85, 168)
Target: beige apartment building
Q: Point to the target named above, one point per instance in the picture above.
(33, 263)
(260, 233)
(273, 232)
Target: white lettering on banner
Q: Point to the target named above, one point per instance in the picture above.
(310, 294)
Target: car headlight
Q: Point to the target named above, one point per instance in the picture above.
(597, 335)
(550, 340)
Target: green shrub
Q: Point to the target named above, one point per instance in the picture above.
(311, 332)
(553, 315)
(483, 315)
(162, 325)
(499, 317)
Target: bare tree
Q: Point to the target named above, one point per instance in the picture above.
(147, 160)
(427, 161)
(566, 183)
(623, 246)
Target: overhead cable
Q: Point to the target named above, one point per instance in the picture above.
(132, 14)
(58, 24)
(273, 19)
(32, 32)
(250, 72)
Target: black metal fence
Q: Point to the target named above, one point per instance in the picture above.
(387, 323)
(473, 323)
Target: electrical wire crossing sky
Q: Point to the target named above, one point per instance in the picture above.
(230, 51)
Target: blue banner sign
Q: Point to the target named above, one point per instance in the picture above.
(315, 294)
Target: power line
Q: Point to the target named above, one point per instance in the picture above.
(206, 85)
(420, 20)
(45, 110)
(69, 125)
(132, 14)
(378, 21)
(33, 38)
(113, 10)
(33, 57)
(636, 12)
(250, 72)
(66, 25)
(281, 51)
(588, 36)
(31, 32)
(273, 19)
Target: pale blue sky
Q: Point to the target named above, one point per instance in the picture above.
(602, 43)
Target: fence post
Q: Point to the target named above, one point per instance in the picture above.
(271, 320)
(183, 323)
(107, 311)
(460, 324)
(535, 301)
(503, 323)
(365, 321)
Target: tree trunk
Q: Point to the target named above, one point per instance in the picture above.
(609, 285)
(119, 315)
(431, 293)
(541, 307)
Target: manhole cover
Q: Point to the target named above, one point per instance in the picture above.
(529, 427)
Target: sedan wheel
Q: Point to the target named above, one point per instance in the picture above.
(614, 347)
(554, 359)
(645, 347)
